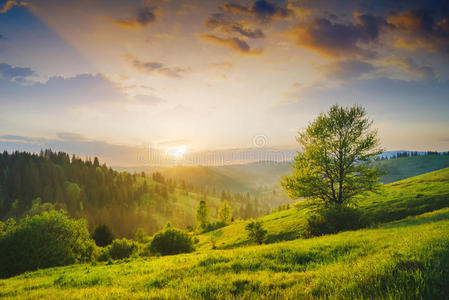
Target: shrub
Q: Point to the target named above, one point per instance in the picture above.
(141, 236)
(256, 231)
(333, 219)
(122, 248)
(103, 235)
(171, 241)
(46, 240)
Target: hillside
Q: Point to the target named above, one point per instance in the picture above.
(405, 167)
(400, 260)
(398, 200)
(243, 177)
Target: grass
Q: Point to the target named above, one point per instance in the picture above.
(397, 200)
(403, 255)
(401, 260)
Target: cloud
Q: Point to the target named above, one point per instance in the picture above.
(143, 17)
(2, 37)
(262, 10)
(150, 67)
(220, 23)
(233, 43)
(9, 4)
(347, 69)
(418, 29)
(407, 64)
(338, 40)
(9, 72)
(60, 91)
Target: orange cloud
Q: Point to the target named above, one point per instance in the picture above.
(233, 43)
(143, 17)
(417, 29)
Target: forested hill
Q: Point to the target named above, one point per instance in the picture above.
(30, 183)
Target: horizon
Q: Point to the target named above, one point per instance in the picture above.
(113, 79)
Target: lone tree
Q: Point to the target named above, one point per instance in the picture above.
(202, 214)
(337, 161)
(225, 213)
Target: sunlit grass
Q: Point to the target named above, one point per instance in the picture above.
(404, 259)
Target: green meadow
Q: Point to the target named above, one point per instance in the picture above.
(402, 254)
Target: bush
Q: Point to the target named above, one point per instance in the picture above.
(171, 241)
(103, 236)
(42, 241)
(333, 219)
(256, 231)
(120, 249)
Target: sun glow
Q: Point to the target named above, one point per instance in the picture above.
(177, 151)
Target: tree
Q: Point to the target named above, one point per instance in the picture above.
(337, 161)
(202, 214)
(46, 240)
(103, 236)
(225, 213)
(256, 232)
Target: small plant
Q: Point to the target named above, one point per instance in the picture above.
(256, 232)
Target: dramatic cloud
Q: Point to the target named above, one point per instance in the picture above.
(407, 64)
(418, 29)
(143, 17)
(233, 43)
(263, 11)
(336, 40)
(157, 68)
(14, 73)
(220, 23)
(345, 70)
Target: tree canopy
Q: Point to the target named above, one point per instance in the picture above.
(337, 161)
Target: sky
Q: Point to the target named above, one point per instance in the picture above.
(111, 78)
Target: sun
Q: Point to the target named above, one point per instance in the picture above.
(177, 151)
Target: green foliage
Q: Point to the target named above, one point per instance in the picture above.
(202, 214)
(401, 260)
(171, 241)
(333, 219)
(338, 158)
(42, 241)
(256, 232)
(225, 213)
(122, 248)
(103, 235)
(141, 236)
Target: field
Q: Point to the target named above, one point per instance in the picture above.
(402, 255)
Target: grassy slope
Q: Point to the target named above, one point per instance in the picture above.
(406, 167)
(401, 260)
(411, 196)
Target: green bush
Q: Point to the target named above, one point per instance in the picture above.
(333, 219)
(256, 232)
(171, 241)
(46, 240)
(122, 248)
(103, 236)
